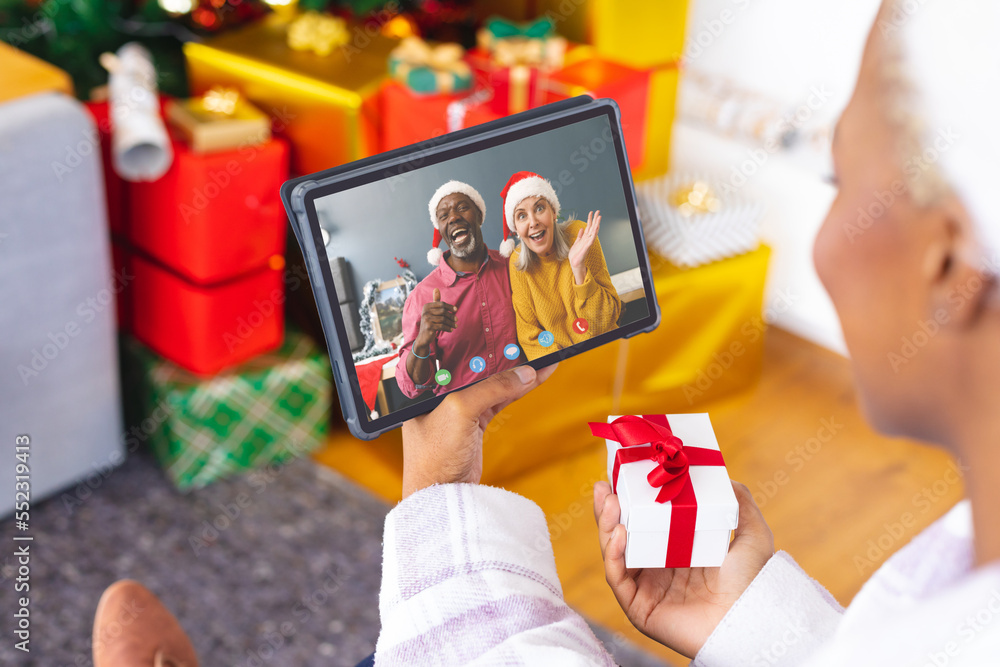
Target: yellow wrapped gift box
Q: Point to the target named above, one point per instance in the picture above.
(324, 103)
(218, 120)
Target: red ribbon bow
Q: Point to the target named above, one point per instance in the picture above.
(649, 438)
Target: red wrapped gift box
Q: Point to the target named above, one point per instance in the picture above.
(121, 264)
(213, 216)
(409, 117)
(206, 328)
(114, 187)
(514, 88)
(627, 86)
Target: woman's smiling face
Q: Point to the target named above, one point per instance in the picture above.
(534, 221)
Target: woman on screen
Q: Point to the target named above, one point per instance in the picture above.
(559, 280)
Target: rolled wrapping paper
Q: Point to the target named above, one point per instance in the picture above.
(430, 69)
(140, 147)
(733, 111)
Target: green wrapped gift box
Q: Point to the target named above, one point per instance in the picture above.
(265, 411)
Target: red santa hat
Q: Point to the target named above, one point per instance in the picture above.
(449, 188)
(522, 185)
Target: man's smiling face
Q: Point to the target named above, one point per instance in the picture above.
(460, 223)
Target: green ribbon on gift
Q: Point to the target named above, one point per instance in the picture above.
(430, 69)
(533, 44)
(501, 28)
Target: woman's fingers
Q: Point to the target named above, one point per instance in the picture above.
(607, 512)
(601, 491)
(622, 584)
(751, 530)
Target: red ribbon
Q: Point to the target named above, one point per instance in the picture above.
(649, 438)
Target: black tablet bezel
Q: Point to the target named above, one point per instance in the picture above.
(429, 155)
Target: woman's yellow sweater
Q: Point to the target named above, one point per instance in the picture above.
(546, 298)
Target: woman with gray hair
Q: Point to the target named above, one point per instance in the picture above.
(559, 280)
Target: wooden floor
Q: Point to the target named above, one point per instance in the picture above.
(835, 494)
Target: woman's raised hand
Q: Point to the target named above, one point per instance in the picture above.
(581, 246)
(680, 607)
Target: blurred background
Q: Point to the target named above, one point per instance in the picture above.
(159, 344)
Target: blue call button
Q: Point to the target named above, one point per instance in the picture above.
(477, 364)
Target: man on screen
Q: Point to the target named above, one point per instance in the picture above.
(458, 322)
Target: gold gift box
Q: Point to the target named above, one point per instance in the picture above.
(206, 130)
(659, 121)
(325, 105)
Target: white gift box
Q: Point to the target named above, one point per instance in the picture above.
(647, 522)
(702, 238)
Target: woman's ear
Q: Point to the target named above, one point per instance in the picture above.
(954, 266)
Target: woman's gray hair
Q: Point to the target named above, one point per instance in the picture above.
(526, 259)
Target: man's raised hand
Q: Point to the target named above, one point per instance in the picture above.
(437, 316)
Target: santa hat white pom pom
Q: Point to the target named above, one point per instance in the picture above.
(434, 256)
(507, 247)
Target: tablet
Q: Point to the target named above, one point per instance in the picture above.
(438, 264)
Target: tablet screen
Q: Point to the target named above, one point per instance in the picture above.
(460, 264)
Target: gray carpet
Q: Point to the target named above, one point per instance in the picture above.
(287, 575)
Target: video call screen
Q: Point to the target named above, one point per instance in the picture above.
(419, 329)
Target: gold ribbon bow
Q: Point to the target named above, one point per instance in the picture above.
(318, 33)
(444, 60)
(518, 51)
(221, 100)
(694, 199)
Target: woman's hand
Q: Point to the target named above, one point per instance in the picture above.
(581, 246)
(446, 445)
(680, 607)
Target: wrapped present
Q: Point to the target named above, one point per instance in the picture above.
(661, 110)
(600, 77)
(409, 117)
(219, 120)
(644, 33)
(115, 190)
(265, 411)
(121, 263)
(325, 105)
(423, 68)
(213, 216)
(691, 220)
(649, 34)
(513, 60)
(677, 502)
(206, 328)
